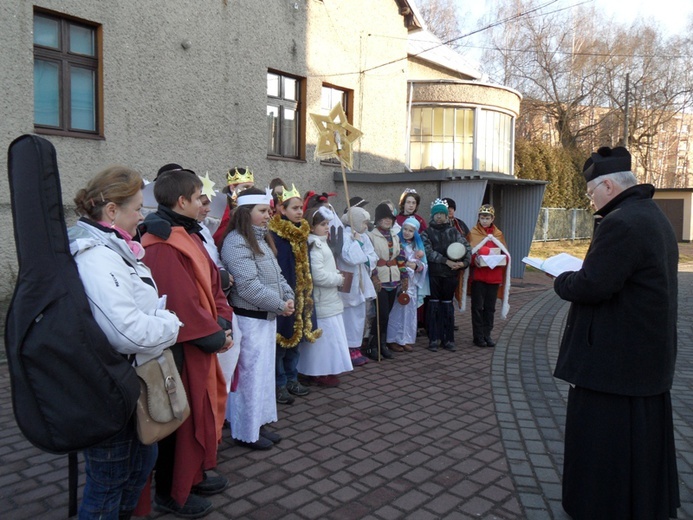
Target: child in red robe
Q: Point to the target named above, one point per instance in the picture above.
(186, 274)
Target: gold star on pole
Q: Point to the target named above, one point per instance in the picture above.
(336, 136)
(207, 186)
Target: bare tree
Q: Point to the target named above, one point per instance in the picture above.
(571, 65)
(543, 55)
(441, 18)
(659, 94)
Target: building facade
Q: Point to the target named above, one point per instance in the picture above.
(222, 83)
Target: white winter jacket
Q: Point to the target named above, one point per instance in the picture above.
(326, 278)
(121, 292)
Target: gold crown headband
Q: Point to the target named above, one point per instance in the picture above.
(487, 209)
(239, 178)
(289, 194)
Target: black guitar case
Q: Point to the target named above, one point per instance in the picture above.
(70, 388)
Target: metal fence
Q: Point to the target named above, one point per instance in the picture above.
(563, 224)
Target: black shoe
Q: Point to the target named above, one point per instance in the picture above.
(385, 352)
(450, 346)
(274, 438)
(260, 444)
(296, 388)
(195, 506)
(210, 485)
(283, 396)
(305, 380)
(433, 345)
(372, 353)
(479, 343)
(490, 342)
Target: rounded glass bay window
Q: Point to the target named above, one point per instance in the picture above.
(464, 138)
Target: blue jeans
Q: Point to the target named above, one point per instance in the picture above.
(117, 470)
(285, 365)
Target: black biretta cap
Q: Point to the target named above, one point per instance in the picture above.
(606, 160)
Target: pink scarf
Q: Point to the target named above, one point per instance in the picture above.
(135, 247)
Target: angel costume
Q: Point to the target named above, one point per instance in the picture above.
(358, 257)
(401, 327)
(329, 355)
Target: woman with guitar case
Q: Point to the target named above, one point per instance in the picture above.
(71, 390)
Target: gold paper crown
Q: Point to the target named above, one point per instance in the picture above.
(237, 177)
(286, 194)
(487, 209)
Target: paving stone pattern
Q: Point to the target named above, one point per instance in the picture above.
(472, 434)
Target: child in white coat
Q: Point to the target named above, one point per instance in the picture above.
(329, 355)
(358, 258)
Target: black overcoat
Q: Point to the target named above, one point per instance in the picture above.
(620, 336)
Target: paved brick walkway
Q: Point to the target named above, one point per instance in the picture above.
(531, 404)
(471, 434)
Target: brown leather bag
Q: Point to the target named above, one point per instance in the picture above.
(163, 404)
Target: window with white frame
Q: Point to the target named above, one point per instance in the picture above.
(441, 138)
(495, 141)
(284, 115)
(66, 76)
(330, 96)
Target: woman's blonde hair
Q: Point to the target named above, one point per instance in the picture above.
(117, 184)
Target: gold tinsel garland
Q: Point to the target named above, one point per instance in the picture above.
(297, 236)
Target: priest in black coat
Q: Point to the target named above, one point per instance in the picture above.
(618, 353)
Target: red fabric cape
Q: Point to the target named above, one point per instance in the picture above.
(476, 235)
(184, 272)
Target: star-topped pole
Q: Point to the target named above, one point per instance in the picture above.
(336, 136)
(335, 140)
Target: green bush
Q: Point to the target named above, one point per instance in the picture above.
(560, 167)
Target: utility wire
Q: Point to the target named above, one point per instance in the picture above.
(580, 53)
(490, 26)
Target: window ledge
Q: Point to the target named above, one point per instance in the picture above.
(326, 162)
(66, 133)
(287, 159)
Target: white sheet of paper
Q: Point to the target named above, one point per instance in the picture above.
(555, 265)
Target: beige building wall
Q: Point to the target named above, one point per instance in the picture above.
(466, 92)
(362, 46)
(205, 107)
(420, 69)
